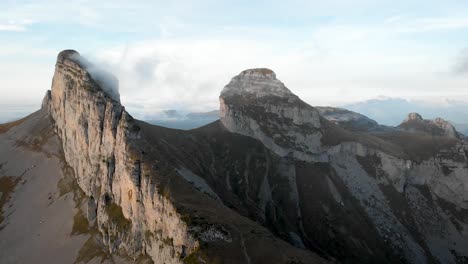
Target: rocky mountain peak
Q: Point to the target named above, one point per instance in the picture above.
(67, 54)
(89, 76)
(414, 116)
(437, 127)
(256, 104)
(259, 82)
(259, 73)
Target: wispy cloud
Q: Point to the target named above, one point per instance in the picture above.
(179, 54)
(9, 27)
(429, 24)
(461, 64)
(16, 26)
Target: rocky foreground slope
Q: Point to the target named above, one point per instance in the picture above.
(273, 181)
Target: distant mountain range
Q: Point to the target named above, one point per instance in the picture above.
(462, 128)
(177, 120)
(388, 112)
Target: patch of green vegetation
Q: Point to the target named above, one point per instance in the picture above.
(64, 186)
(90, 250)
(117, 217)
(187, 219)
(144, 259)
(68, 184)
(80, 224)
(148, 235)
(7, 186)
(193, 258)
(88, 87)
(5, 127)
(164, 191)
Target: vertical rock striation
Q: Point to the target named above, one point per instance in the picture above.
(100, 142)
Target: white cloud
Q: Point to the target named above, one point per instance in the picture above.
(16, 26)
(188, 74)
(9, 27)
(326, 53)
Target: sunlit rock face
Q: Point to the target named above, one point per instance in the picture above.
(258, 105)
(100, 142)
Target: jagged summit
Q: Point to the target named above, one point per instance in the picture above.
(414, 116)
(437, 127)
(89, 76)
(260, 73)
(257, 82)
(256, 104)
(67, 54)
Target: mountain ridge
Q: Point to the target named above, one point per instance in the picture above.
(272, 181)
(88, 121)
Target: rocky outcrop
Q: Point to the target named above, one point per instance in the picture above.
(99, 139)
(258, 105)
(436, 127)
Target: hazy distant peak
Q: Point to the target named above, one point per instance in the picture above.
(349, 119)
(414, 116)
(437, 127)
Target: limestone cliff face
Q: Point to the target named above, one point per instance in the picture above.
(257, 104)
(99, 140)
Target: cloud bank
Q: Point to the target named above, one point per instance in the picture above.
(179, 54)
(106, 80)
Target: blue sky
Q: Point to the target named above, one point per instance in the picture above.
(180, 54)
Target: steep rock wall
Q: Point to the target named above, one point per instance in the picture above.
(100, 140)
(257, 104)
